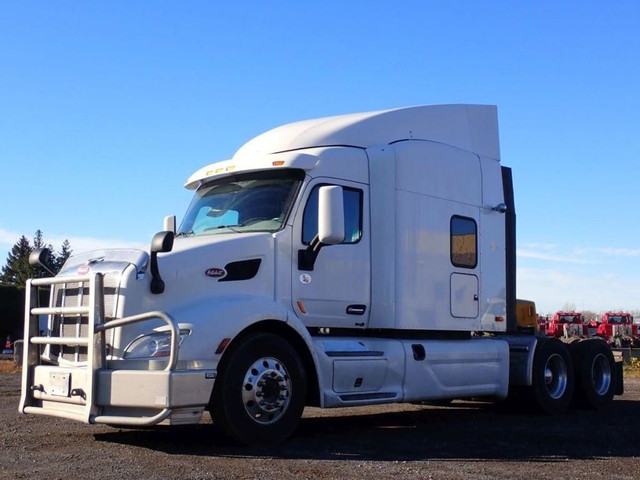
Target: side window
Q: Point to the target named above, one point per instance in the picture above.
(352, 216)
(464, 242)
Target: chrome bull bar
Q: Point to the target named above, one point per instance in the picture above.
(79, 404)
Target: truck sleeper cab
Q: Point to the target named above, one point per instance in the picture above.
(350, 260)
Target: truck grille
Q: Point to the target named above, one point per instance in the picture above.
(621, 330)
(76, 294)
(573, 330)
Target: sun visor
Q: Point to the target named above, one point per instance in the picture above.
(303, 161)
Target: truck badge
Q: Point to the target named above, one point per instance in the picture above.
(83, 269)
(305, 279)
(215, 272)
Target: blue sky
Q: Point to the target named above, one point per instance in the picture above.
(107, 108)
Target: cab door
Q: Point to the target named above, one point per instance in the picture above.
(335, 291)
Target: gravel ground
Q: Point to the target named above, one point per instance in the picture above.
(467, 440)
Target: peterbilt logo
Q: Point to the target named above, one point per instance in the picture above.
(215, 272)
(83, 269)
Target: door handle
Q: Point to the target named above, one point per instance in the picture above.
(356, 309)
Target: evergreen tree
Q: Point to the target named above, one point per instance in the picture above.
(17, 270)
(64, 253)
(38, 240)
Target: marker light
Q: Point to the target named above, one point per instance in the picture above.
(222, 346)
(301, 307)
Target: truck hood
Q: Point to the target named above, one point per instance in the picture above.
(105, 260)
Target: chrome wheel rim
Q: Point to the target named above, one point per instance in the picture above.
(555, 376)
(601, 374)
(266, 390)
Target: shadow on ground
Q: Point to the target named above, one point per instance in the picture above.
(463, 431)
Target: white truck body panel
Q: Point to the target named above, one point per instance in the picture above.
(368, 371)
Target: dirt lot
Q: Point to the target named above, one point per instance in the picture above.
(468, 440)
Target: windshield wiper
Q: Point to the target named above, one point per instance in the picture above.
(230, 227)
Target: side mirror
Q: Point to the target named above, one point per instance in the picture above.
(330, 226)
(330, 215)
(162, 243)
(42, 258)
(169, 224)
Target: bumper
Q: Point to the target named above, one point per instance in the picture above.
(121, 397)
(152, 389)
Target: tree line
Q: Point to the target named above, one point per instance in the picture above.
(17, 270)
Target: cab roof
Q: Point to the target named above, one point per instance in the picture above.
(470, 127)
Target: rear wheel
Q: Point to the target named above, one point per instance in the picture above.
(259, 394)
(595, 374)
(553, 377)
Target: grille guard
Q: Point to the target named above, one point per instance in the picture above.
(87, 411)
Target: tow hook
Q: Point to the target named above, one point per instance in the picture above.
(78, 392)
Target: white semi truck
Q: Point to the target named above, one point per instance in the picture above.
(352, 260)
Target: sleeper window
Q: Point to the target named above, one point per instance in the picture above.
(464, 242)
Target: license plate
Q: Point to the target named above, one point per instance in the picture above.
(59, 384)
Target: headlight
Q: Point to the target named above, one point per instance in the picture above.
(153, 345)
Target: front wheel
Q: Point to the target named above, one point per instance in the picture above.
(553, 376)
(260, 392)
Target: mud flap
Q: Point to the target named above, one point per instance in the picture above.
(619, 378)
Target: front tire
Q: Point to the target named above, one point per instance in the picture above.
(553, 376)
(259, 395)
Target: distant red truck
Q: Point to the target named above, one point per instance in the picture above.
(618, 329)
(566, 324)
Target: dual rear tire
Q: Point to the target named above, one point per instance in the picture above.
(553, 377)
(582, 373)
(595, 374)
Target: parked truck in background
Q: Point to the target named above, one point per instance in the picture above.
(567, 325)
(618, 329)
(352, 260)
(527, 319)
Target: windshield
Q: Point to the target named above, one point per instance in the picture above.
(250, 202)
(618, 319)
